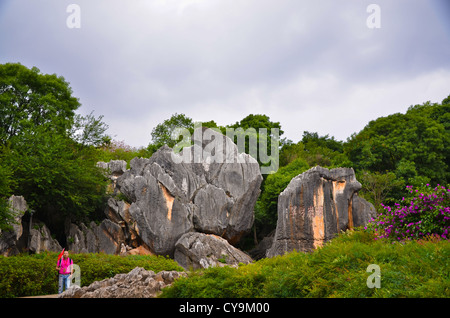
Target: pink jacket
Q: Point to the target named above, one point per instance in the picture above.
(64, 265)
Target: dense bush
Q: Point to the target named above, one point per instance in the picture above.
(339, 269)
(31, 275)
(426, 212)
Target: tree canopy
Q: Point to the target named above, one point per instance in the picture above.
(29, 99)
(408, 149)
(163, 133)
(47, 151)
(414, 145)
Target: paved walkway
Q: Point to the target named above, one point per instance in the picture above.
(43, 296)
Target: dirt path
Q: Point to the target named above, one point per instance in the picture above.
(43, 296)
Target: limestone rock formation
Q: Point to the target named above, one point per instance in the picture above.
(41, 239)
(106, 237)
(113, 170)
(199, 250)
(138, 283)
(315, 206)
(36, 238)
(169, 198)
(362, 211)
(9, 239)
(260, 250)
(114, 235)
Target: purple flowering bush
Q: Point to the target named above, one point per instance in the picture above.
(425, 212)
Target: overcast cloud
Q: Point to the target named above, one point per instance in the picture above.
(311, 65)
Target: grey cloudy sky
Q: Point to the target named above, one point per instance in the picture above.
(311, 65)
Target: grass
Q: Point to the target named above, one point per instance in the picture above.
(338, 269)
(33, 275)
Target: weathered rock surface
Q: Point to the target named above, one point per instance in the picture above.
(106, 237)
(36, 238)
(138, 283)
(315, 206)
(362, 211)
(260, 250)
(169, 199)
(198, 250)
(114, 235)
(9, 239)
(113, 169)
(214, 192)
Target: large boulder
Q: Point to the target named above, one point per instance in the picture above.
(214, 192)
(315, 206)
(198, 250)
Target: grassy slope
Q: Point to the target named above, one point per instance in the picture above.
(411, 269)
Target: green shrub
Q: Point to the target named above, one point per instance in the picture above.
(32, 275)
(338, 269)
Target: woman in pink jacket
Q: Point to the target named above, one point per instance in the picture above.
(65, 269)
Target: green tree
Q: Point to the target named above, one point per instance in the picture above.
(291, 151)
(376, 186)
(313, 140)
(119, 150)
(260, 122)
(446, 101)
(167, 133)
(47, 150)
(55, 174)
(90, 131)
(273, 134)
(163, 133)
(412, 145)
(324, 151)
(316, 150)
(213, 124)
